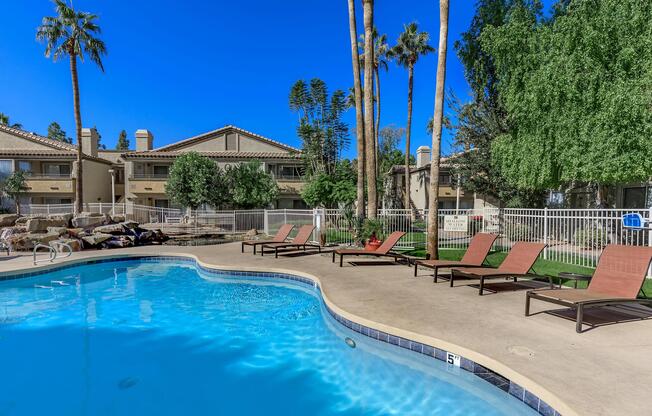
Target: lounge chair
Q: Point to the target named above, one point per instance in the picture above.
(517, 264)
(475, 255)
(300, 241)
(281, 235)
(385, 249)
(618, 279)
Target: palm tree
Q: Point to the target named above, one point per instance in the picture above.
(370, 137)
(381, 48)
(71, 33)
(359, 116)
(4, 121)
(433, 206)
(410, 46)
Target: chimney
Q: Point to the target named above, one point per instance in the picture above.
(89, 141)
(144, 140)
(423, 156)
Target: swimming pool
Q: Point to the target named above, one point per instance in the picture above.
(162, 337)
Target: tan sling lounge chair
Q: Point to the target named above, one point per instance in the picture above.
(618, 279)
(517, 264)
(301, 240)
(474, 257)
(385, 249)
(281, 235)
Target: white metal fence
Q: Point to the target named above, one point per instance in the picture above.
(573, 236)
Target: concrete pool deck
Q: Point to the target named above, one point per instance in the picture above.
(604, 371)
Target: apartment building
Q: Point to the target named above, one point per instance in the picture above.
(147, 168)
(140, 175)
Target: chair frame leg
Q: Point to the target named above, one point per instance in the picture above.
(579, 318)
(527, 304)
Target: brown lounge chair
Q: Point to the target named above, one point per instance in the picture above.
(474, 257)
(385, 249)
(517, 264)
(281, 235)
(301, 240)
(618, 279)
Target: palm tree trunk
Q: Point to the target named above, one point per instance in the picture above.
(433, 213)
(359, 118)
(372, 206)
(377, 128)
(79, 202)
(408, 133)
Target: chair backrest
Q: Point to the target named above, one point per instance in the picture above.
(304, 234)
(621, 270)
(521, 257)
(283, 233)
(479, 248)
(390, 242)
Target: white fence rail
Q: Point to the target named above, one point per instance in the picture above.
(573, 236)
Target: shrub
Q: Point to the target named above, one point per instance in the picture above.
(592, 237)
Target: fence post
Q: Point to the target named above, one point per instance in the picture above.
(285, 215)
(545, 232)
(266, 222)
(48, 209)
(484, 217)
(649, 238)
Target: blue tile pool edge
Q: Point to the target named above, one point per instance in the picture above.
(486, 374)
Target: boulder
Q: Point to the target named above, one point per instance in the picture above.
(118, 218)
(110, 229)
(21, 242)
(88, 220)
(65, 218)
(95, 239)
(40, 225)
(23, 220)
(8, 220)
(251, 233)
(129, 224)
(75, 232)
(118, 242)
(40, 238)
(74, 243)
(57, 230)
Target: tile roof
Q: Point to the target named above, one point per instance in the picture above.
(37, 138)
(49, 154)
(156, 154)
(212, 133)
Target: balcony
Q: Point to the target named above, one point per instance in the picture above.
(150, 176)
(49, 183)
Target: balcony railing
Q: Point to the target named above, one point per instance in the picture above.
(156, 176)
(288, 177)
(32, 175)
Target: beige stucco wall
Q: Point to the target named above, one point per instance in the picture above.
(8, 141)
(245, 144)
(96, 181)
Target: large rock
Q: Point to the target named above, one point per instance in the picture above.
(21, 242)
(88, 220)
(40, 225)
(7, 220)
(77, 232)
(96, 239)
(110, 229)
(251, 233)
(39, 238)
(58, 230)
(130, 224)
(62, 217)
(118, 218)
(23, 220)
(118, 242)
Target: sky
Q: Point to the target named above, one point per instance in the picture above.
(181, 68)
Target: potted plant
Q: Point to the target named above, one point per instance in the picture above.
(372, 231)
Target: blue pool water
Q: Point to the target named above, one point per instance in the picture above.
(137, 337)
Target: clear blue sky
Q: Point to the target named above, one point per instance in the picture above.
(180, 68)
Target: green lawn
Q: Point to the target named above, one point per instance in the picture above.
(542, 267)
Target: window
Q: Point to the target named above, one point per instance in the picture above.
(160, 171)
(162, 203)
(57, 201)
(56, 169)
(444, 178)
(24, 166)
(635, 198)
(231, 142)
(290, 172)
(6, 168)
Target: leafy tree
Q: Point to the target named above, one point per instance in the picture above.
(4, 121)
(196, 180)
(410, 46)
(249, 186)
(123, 141)
(56, 133)
(72, 34)
(356, 96)
(14, 187)
(332, 190)
(577, 91)
(323, 133)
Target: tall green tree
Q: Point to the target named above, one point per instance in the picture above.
(410, 46)
(332, 191)
(438, 121)
(323, 133)
(248, 186)
(359, 115)
(56, 133)
(370, 136)
(196, 180)
(4, 121)
(14, 187)
(73, 34)
(123, 141)
(577, 91)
